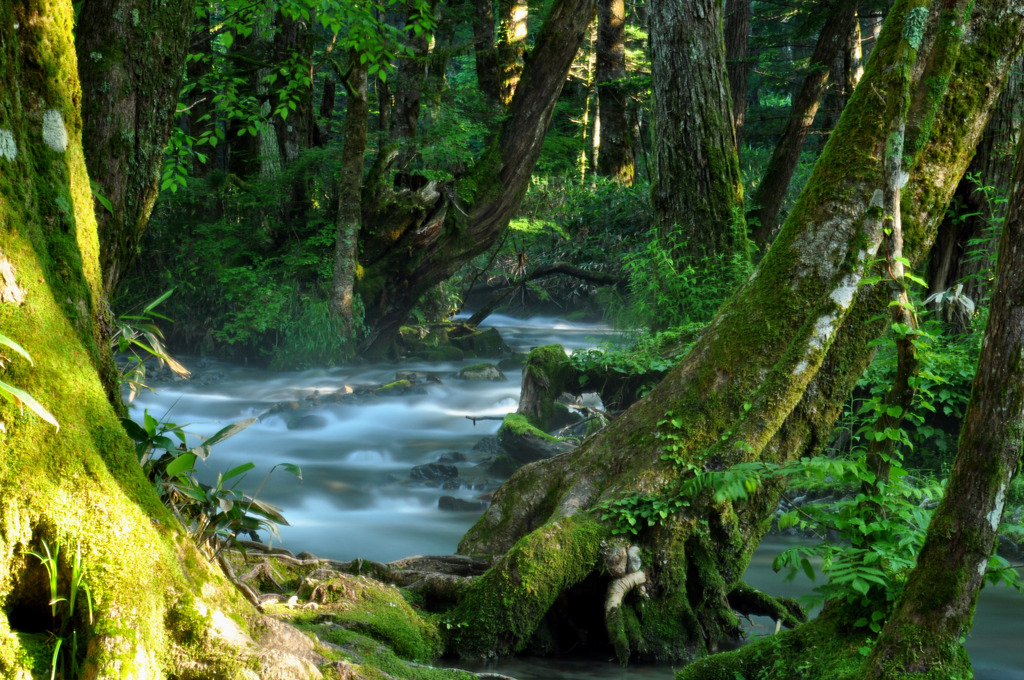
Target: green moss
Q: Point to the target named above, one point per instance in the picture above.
(519, 425)
(503, 608)
(816, 650)
(396, 387)
(371, 659)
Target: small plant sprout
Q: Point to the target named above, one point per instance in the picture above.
(64, 632)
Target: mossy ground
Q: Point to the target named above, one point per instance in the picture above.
(369, 628)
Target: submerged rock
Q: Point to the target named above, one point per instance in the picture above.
(482, 372)
(308, 421)
(434, 473)
(453, 504)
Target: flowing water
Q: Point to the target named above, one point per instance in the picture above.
(356, 498)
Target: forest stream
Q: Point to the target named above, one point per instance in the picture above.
(357, 499)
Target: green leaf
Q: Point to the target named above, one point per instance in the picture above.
(181, 464)
(239, 470)
(229, 431)
(292, 468)
(12, 393)
(7, 342)
(805, 564)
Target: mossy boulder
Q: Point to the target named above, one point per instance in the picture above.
(483, 372)
(485, 344)
(525, 443)
(395, 387)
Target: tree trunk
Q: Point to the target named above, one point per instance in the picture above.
(936, 607)
(965, 248)
(772, 189)
(485, 50)
(156, 602)
(350, 183)
(615, 154)
(512, 15)
(764, 382)
(415, 237)
(737, 38)
(411, 77)
(697, 193)
(131, 56)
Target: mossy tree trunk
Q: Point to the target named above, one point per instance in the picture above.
(965, 247)
(350, 183)
(131, 57)
(697, 192)
(922, 637)
(415, 235)
(775, 181)
(512, 16)
(764, 382)
(615, 155)
(154, 597)
(484, 49)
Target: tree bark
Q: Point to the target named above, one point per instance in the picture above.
(697, 193)
(350, 183)
(415, 237)
(802, 326)
(411, 78)
(615, 154)
(772, 189)
(737, 39)
(131, 56)
(965, 248)
(936, 607)
(155, 599)
(512, 16)
(485, 50)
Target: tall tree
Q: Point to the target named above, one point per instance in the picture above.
(350, 183)
(484, 49)
(157, 604)
(764, 382)
(615, 155)
(131, 56)
(737, 41)
(936, 607)
(415, 236)
(965, 248)
(512, 16)
(697, 192)
(771, 190)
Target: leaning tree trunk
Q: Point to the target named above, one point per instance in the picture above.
(131, 57)
(615, 155)
(157, 604)
(936, 607)
(775, 181)
(697, 192)
(415, 237)
(764, 382)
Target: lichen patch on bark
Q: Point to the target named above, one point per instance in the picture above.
(10, 291)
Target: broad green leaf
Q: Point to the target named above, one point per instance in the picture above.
(239, 470)
(181, 464)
